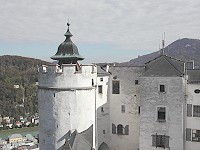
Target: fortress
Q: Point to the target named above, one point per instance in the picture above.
(85, 107)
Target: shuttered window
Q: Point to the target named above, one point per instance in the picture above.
(188, 134)
(126, 130)
(113, 128)
(189, 110)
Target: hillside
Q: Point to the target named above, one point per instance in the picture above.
(21, 72)
(184, 49)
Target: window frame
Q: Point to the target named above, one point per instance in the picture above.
(162, 88)
(158, 116)
(160, 141)
(194, 134)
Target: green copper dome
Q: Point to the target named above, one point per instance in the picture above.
(67, 51)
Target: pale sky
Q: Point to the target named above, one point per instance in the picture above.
(104, 30)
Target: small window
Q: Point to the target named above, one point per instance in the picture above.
(102, 110)
(162, 88)
(196, 111)
(100, 89)
(123, 108)
(113, 128)
(101, 79)
(115, 87)
(138, 109)
(120, 129)
(136, 81)
(54, 94)
(189, 110)
(196, 135)
(161, 114)
(92, 82)
(104, 132)
(160, 141)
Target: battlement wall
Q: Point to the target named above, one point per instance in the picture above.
(67, 76)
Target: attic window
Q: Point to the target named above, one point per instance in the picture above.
(162, 88)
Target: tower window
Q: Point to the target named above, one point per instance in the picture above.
(161, 114)
(104, 132)
(102, 110)
(136, 81)
(123, 108)
(162, 88)
(100, 89)
(115, 87)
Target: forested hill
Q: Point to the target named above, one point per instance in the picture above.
(18, 77)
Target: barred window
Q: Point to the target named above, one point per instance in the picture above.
(196, 135)
(196, 111)
(115, 87)
(160, 141)
(189, 110)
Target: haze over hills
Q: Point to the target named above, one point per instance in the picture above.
(184, 49)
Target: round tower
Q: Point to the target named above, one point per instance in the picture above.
(67, 100)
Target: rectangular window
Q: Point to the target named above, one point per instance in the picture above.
(161, 114)
(196, 135)
(188, 134)
(162, 88)
(189, 110)
(136, 81)
(160, 141)
(123, 108)
(115, 87)
(104, 132)
(196, 111)
(102, 110)
(101, 79)
(100, 89)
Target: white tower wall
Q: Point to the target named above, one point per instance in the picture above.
(66, 102)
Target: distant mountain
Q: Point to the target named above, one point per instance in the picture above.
(18, 77)
(183, 49)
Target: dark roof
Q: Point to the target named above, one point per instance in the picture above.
(193, 76)
(101, 71)
(164, 66)
(67, 50)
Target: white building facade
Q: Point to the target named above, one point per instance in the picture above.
(83, 107)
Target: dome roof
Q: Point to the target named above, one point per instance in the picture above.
(67, 50)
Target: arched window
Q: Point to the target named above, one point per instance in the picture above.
(120, 129)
